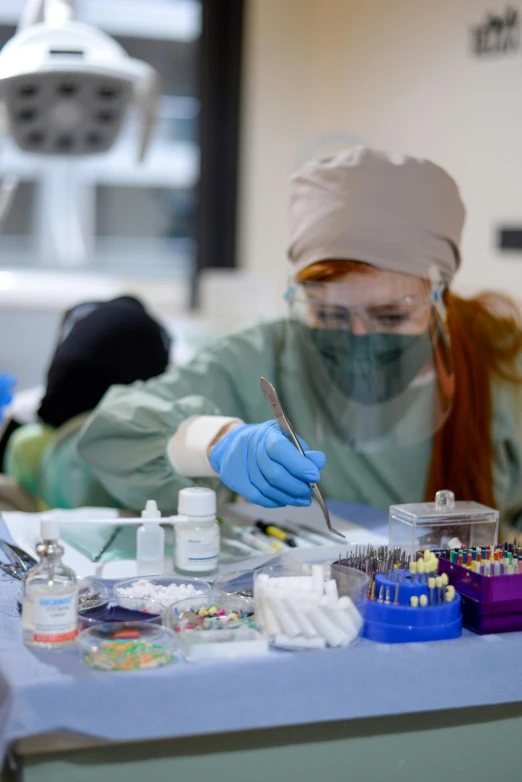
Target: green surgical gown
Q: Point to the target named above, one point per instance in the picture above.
(117, 455)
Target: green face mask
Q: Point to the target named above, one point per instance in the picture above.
(372, 368)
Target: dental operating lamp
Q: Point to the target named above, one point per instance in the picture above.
(66, 87)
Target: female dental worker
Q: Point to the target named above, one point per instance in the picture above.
(397, 386)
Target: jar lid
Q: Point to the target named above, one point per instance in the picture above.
(197, 501)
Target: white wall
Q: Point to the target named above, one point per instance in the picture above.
(398, 73)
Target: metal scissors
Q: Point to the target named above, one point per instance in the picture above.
(271, 397)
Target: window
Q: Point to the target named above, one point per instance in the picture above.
(110, 213)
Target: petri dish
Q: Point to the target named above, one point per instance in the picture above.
(203, 613)
(127, 646)
(92, 595)
(224, 628)
(137, 593)
(155, 613)
(240, 583)
(303, 612)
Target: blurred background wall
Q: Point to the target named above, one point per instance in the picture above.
(418, 77)
(397, 74)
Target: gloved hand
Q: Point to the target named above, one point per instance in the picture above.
(258, 462)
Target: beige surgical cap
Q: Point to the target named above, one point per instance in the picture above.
(395, 212)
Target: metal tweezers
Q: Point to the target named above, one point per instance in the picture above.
(271, 397)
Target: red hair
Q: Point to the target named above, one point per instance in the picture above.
(486, 339)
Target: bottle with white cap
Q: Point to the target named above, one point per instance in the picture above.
(197, 533)
(150, 542)
(50, 602)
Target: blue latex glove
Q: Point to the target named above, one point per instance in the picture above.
(258, 462)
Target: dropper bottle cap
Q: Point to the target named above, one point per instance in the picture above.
(151, 512)
(49, 529)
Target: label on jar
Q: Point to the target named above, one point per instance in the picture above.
(197, 547)
(55, 617)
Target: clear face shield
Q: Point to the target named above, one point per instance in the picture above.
(374, 349)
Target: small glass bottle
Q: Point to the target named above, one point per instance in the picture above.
(197, 533)
(150, 543)
(50, 603)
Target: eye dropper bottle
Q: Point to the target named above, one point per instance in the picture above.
(150, 542)
(50, 602)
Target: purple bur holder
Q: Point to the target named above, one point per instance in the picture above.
(490, 604)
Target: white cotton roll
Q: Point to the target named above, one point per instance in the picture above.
(318, 579)
(260, 617)
(344, 622)
(298, 596)
(294, 582)
(347, 604)
(328, 601)
(330, 589)
(260, 583)
(298, 613)
(271, 626)
(326, 628)
(285, 620)
(284, 642)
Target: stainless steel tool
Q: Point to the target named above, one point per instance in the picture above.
(18, 562)
(271, 397)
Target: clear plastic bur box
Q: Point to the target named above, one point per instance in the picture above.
(442, 524)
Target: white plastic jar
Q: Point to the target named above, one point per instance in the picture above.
(197, 533)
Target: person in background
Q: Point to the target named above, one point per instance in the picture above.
(100, 344)
(397, 386)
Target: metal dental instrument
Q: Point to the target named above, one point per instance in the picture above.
(286, 427)
(30, 560)
(15, 560)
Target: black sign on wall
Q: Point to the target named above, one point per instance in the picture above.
(510, 238)
(497, 34)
